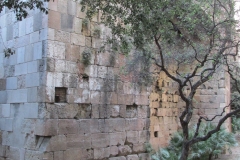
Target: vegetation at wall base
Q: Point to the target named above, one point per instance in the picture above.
(205, 150)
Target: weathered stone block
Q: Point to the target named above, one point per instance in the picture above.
(132, 157)
(54, 19)
(78, 39)
(100, 140)
(78, 141)
(132, 137)
(68, 126)
(117, 138)
(57, 143)
(117, 158)
(58, 155)
(87, 126)
(124, 150)
(48, 127)
(75, 154)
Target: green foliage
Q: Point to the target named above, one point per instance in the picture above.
(235, 124)
(85, 22)
(208, 149)
(86, 56)
(97, 32)
(21, 8)
(8, 52)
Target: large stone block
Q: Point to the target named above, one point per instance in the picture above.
(100, 140)
(57, 143)
(29, 25)
(68, 126)
(117, 138)
(78, 39)
(133, 137)
(79, 141)
(11, 83)
(37, 21)
(54, 19)
(47, 127)
(124, 150)
(87, 126)
(5, 110)
(31, 110)
(67, 22)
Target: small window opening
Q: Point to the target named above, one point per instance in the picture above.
(60, 95)
(156, 134)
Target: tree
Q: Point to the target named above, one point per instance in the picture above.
(21, 8)
(197, 33)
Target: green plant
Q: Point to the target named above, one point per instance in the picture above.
(205, 150)
(86, 56)
(235, 124)
(97, 32)
(85, 22)
(8, 52)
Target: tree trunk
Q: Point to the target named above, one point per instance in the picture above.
(185, 150)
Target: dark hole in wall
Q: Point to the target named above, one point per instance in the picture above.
(60, 95)
(155, 134)
(131, 111)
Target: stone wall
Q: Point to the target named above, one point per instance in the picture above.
(166, 106)
(21, 78)
(53, 106)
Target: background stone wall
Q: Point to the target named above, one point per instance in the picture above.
(166, 106)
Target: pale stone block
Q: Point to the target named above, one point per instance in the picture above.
(132, 157)
(31, 110)
(20, 55)
(5, 110)
(34, 37)
(11, 83)
(8, 124)
(57, 143)
(17, 96)
(32, 67)
(62, 36)
(32, 80)
(4, 34)
(132, 137)
(58, 155)
(51, 34)
(56, 50)
(48, 127)
(102, 71)
(28, 53)
(71, 7)
(15, 30)
(22, 28)
(9, 33)
(78, 25)
(2, 72)
(43, 34)
(118, 158)
(78, 39)
(117, 138)
(76, 154)
(32, 95)
(37, 21)
(67, 22)
(62, 6)
(68, 126)
(124, 150)
(37, 51)
(79, 141)
(29, 25)
(60, 66)
(22, 41)
(3, 97)
(95, 83)
(100, 140)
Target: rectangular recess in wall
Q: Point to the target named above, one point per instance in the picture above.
(60, 95)
(131, 111)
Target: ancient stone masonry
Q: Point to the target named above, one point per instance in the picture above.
(56, 107)
(166, 105)
(63, 99)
